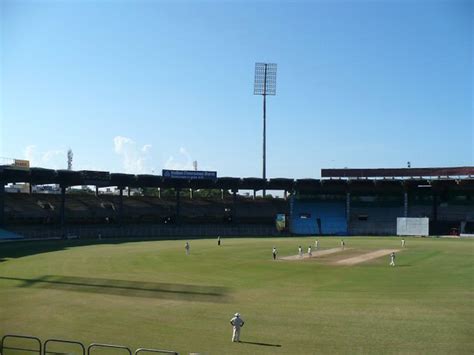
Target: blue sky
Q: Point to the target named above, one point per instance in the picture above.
(138, 86)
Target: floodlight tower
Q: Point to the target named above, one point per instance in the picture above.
(265, 84)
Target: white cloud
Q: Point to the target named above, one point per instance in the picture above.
(134, 159)
(183, 162)
(53, 159)
(29, 154)
(121, 142)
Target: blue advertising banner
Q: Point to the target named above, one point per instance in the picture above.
(189, 174)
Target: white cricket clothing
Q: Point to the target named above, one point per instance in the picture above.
(237, 323)
(310, 253)
(392, 260)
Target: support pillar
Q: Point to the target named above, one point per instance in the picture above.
(435, 207)
(234, 206)
(30, 187)
(178, 205)
(348, 208)
(121, 205)
(222, 194)
(405, 204)
(63, 206)
(191, 194)
(285, 195)
(128, 191)
(254, 194)
(2, 203)
(96, 191)
(159, 193)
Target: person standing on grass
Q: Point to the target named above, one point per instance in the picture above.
(392, 259)
(219, 241)
(274, 253)
(300, 251)
(310, 252)
(316, 244)
(187, 247)
(403, 242)
(343, 244)
(236, 323)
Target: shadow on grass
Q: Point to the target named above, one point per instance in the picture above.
(261, 344)
(20, 248)
(126, 288)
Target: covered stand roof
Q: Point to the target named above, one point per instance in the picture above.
(346, 183)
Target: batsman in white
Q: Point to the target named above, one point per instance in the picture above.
(236, 323)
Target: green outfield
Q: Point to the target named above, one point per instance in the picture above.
(151, 294)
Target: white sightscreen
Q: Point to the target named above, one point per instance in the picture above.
(413, 226)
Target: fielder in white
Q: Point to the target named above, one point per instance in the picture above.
(392, 259)
(187, 247)
(403, 243)
(343, 244)
(300, 251)
(236, 323)
(316, 244)
(310, 252)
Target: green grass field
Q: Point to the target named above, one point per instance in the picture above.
(151, 294)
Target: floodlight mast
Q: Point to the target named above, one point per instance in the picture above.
(265, 84)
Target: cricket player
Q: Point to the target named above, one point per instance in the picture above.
(310, 252)
(316, 244)
(274, 253)
(300, 251)
(403, 242)
(392, 259)
(186, 247)
(218, 240)
(236, 323)
(343, 244)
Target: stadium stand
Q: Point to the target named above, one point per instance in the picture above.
(8, 235)
(374, 220)
(318, 217)
(353, 204)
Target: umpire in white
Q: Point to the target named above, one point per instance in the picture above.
(236, 323)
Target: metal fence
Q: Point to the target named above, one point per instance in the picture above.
(14, 344)
(10, 343)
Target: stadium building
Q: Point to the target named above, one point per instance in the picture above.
(342, 202)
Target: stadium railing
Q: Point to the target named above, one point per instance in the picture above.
(42, 348)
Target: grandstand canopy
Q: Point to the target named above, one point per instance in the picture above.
(355, 180)
(460, 172)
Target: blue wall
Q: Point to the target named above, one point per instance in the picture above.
(332, 215)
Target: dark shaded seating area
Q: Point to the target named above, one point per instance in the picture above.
(35, 208)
